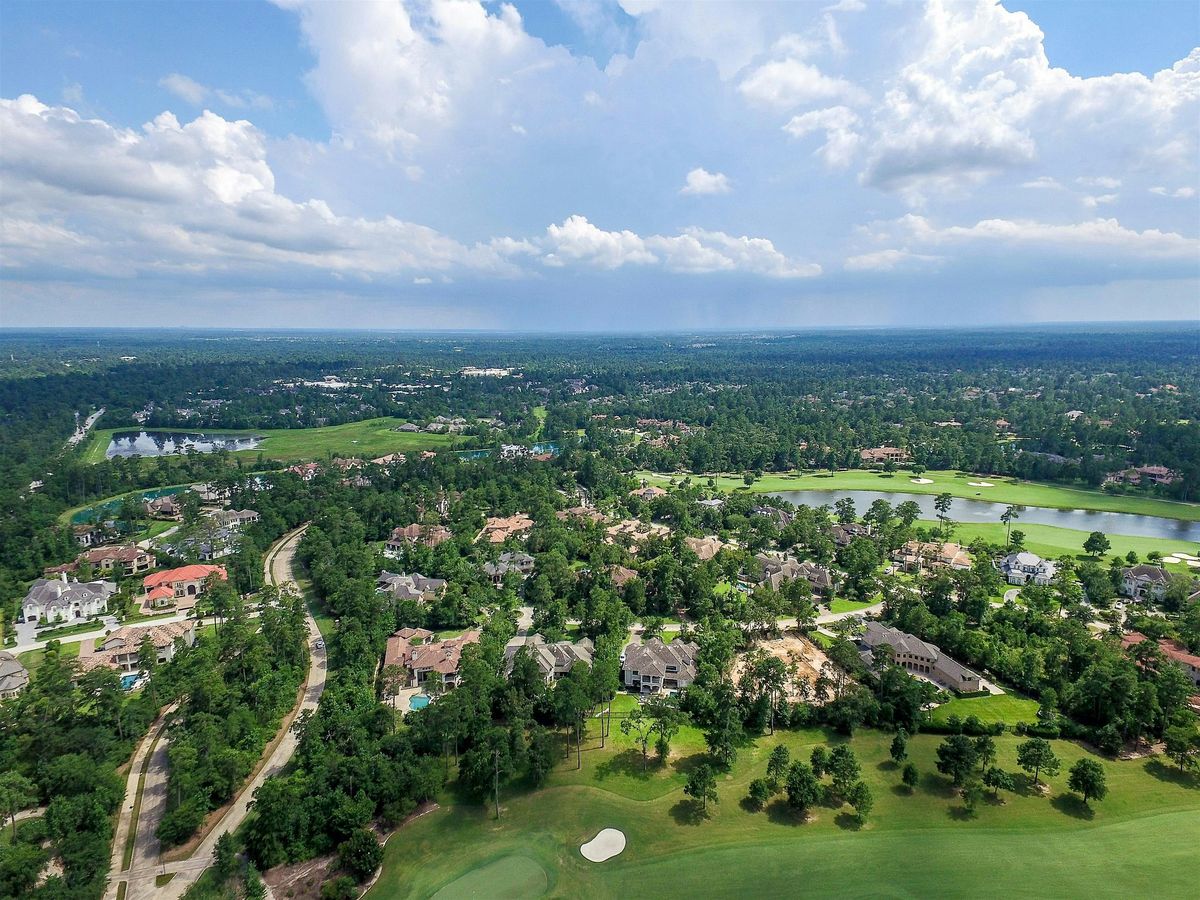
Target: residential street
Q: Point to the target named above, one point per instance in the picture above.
(140, 877)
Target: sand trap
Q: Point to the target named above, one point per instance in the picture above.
(1192, 563)
(921, 480)
(607, 844)
(1183, 555)
(980, 484)
(1171, 559)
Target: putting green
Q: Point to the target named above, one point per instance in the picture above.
(507, 878)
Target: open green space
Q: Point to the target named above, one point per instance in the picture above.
(1144, 834)
(842, 605)
(1004, 708)
(1005, 490)
(31, 659)
(508, 878)
(371, 437)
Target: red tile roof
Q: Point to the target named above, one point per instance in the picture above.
(197, 572)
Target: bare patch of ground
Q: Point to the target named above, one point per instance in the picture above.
(797, 652)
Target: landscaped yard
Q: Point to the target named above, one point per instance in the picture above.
(372, 437)
(842, 605)
(1144, 834)
(991, 709)
(31, 659)
(1005, 490)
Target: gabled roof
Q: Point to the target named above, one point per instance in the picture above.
(195, 572)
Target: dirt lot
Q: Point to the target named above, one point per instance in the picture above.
(797, 651)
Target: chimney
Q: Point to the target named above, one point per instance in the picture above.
(63, 576)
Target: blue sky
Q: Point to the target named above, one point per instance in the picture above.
(598, 164)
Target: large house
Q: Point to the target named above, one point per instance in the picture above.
(234, 518)
(634, 532)
(499, 529)
(1024, 567)
(521, 563)
(426, 535)
(13, 676)
(403, 586)
(779, 568)
(1136, 475)
(621, 575)
(706, 547)
(873, 456)
(553, 660)
(163, 589)
(90, 535)
(164, 508)
(653, 667)
(128, 559)
(121, 648)
(919, 657)
(63, 600)
(845, 532)
(1144, 582)
(1172, 650)
(415, 651)
(648, 493)
(921, 556)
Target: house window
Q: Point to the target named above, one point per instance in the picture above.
(672, 669)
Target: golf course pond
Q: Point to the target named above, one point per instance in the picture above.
(171, 443)
(981, 510)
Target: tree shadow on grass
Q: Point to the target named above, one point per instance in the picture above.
(960, 813)
(903, 790)
(685, 764)
(938, 786)
(628, 763)
(688, 812)
(1025, 787)
(780, 813)
(1157, 769)
(750, 805)
(1073, 806)
(887, 766)
(848, 822)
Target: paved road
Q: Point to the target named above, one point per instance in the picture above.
(153, 800)
(140, 877)
(82, 431)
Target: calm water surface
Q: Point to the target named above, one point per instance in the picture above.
(170, 443)
(984, 511)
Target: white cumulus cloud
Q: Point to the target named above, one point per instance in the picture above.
(701, 181)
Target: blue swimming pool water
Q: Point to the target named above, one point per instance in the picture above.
(418, 701)
(128, 680)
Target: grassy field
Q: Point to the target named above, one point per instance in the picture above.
(1006, 490)
(372, 437)
(1145, 833)
(31, 659)
(991, 709)
(1050, 541)
(841, 605)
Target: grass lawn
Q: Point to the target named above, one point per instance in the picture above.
(31, 659)
(1006, 490)
(923, 844)
(841, 605)
(372, 437)
(1050, 541)
(539, 413)
(1003, 708)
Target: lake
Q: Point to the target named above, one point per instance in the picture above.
(170, 443)
(984, 511)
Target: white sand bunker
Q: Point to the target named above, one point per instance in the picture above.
(1195, 564)
(1183, 555)
(980, 484)
(607, 844)
(921, 480)
(1171, 559)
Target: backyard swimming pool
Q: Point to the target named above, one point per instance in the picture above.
(418, 701)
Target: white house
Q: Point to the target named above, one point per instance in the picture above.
(1024, 567)
(63, 600)
(1144, 582)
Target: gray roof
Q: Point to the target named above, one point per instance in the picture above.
(408, 587)
(552, 659)
(509, 562)
(1147, 573)
(13, 675)
(54, 593)
(903, 642)
(654, 656)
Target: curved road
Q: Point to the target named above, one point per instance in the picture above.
(145, 867)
